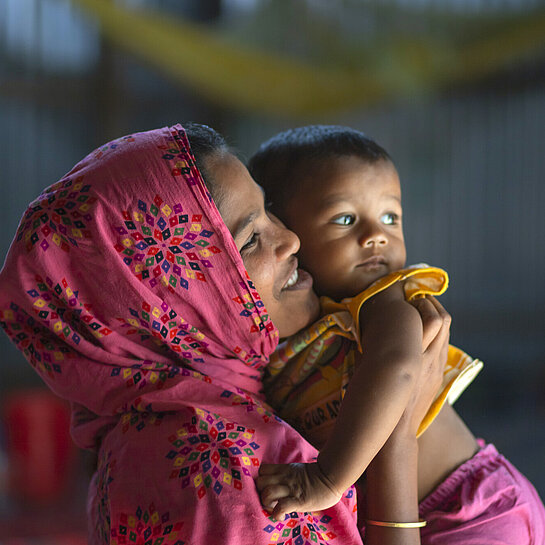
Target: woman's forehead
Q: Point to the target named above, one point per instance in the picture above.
(242, 199)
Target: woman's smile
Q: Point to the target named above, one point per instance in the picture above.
(267, 248)
(299, 280)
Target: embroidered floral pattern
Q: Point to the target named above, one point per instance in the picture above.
(212, 453)
(56, 308)
(59, 216)
(299, 529)
(164, 244)
(146, 527)
(251, 404)
(164, 324)
(254, 309)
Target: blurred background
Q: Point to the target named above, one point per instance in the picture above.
(453, 89)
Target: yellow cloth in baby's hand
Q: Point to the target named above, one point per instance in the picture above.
(309, 373)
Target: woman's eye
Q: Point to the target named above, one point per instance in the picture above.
(345, 219)
(390, 219)
(251, 242)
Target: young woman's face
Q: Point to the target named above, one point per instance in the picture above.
(266, 246)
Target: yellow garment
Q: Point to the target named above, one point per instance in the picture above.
(308, 374)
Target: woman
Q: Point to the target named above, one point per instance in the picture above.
(128, 293)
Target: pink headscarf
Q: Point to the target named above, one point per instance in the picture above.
(124, 289)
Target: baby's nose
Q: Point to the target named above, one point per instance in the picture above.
(373, 237)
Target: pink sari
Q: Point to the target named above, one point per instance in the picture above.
(125, 291)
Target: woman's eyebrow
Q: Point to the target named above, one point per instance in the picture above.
(244, 222)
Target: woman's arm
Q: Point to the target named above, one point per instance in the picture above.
(375, 400)
(392, 484)
(380, 388)
(392, 491)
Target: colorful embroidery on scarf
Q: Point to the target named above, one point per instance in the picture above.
(58, 309)
(113, 145)
(299, 529)
(212, 453)
(60, 216)
(105, 467)
(141, 374)
(140, 420)
(34, 341)
(251, 404)
(254, 309)
(57, 304)
(164, 324)
(165, 245)
(146, 527)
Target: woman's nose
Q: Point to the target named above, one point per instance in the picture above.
(288, 242)
(373, 235)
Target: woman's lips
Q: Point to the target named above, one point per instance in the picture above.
(301, 280)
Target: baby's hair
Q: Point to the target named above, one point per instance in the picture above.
(284, 160)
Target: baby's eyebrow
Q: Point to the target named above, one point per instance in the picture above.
(331, 200)
(394, 198)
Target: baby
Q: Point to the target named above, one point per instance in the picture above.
(340, 192)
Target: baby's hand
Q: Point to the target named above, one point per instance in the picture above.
(285, 488)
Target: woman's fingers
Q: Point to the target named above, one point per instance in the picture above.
(435, 319)
(440, 341)
(445, 316)
(436, 353)
(431, 321)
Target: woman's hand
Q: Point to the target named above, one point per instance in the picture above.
(285, 488)
(435, 341)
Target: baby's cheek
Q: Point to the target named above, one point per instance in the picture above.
(332, 283)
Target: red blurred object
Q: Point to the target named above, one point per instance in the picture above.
(39, 447)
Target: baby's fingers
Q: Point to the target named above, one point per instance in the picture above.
(272, 469)
(271, 474)
(285, 506)
(271, 494)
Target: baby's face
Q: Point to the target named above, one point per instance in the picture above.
(348, 217)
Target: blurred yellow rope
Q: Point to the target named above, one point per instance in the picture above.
(254, 80)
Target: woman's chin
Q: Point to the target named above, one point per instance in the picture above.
(306, 314)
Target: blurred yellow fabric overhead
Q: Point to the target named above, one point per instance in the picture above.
(245, 78)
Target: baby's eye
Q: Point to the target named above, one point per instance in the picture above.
(389, 218)
(345, 219)
(251, 242)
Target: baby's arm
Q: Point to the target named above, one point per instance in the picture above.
(374, 402)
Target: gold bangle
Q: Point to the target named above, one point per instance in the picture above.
(420, 524)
